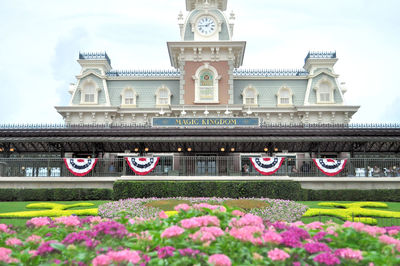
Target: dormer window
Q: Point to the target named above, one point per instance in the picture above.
(89, 92)
(324, 93)
(206, 84)
(250, 96)
(163, 96)
(128, 98)
(285, 96)
(324, 90)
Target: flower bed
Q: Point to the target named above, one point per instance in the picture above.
(52, 210)
(199, 234)
(355, 211)
(275, 210)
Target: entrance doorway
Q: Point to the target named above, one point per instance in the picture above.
(206, 164)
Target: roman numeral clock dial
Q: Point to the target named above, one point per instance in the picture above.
(206, 25)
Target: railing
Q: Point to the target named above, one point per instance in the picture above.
(198, 166)
(148, 125)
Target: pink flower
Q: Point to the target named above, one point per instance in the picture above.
(33, 253)
(238, 213)
(374, 230)
(393, 232)
(34, 238)
(200, 221)
(316, 247)
(5, 256)
(13, 242)
(38, 222)
(271, 237)
(298, 223)
(357, 226)
(385, 239)
(327, 258)
(96, 219)
(209, 206)
(68, 220)
(219, 260)
(162, 215)
(350, 254)
(331, 230)
(3, 228)
(172, 232)
(206, 234)
(102, 260)
(277, 254)
(165, 252)
(124, 256)
(190, 223)
(314, 225)
(248, 220)
(183, 207)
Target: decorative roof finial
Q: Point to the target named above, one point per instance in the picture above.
(232, 16)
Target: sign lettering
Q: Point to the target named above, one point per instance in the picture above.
(205, 122)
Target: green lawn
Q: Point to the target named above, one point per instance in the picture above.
(20, 206)
(17, 206)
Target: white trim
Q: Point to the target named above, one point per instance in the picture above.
(278, 95)
(96, 92)
(215, 87)
(157, 94)
(123, 105)
(248, 88)
(330, 91)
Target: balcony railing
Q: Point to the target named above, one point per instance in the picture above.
(198, 166)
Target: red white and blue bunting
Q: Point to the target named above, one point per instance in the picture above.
(267, 165)
(80, 167)
(142, 165)
(330, 167)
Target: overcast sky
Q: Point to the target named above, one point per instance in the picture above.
(40, 41)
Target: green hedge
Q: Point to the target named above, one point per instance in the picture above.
(56, 194)
(232, 189)
(391, 195)
(237, 189)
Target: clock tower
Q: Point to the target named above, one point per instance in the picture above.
(206, 55)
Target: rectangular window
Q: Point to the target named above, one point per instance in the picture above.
(89, 98)
(249, 100)
(324, 97)
(128, 100)
(206, 94)
(284, 100)
(163, 100)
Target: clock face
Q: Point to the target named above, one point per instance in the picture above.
(206, 25)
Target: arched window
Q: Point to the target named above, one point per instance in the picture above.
(89, 92)
(128, 97)
(285, 96)
(206, 84)
(250, 96)
(324, 90)
(163, 96)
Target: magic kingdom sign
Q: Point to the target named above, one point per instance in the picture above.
(205, 122)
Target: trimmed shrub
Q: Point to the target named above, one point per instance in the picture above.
(56, 194)
(245, 189)
(389, 195)
(223, 189)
